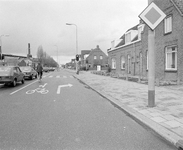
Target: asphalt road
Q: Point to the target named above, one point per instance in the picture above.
(61, 113)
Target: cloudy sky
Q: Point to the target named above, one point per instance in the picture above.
(43, 22)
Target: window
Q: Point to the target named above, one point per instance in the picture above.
(168, 24)
(171, 58)
(95, 57)
(129, 63)
(122, 62)
(147, 59)
(128, 37)
(113, 63)
(140, 30)
(101, 57)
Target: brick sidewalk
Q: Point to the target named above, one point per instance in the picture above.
(166, 118)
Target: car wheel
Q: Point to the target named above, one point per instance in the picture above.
(23, 81)
(14, 83)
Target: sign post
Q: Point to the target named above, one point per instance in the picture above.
(152, 16)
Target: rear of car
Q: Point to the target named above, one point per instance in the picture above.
(29, 72)
(6, 74)
(11, 75)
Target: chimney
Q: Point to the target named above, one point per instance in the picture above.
(29, 54)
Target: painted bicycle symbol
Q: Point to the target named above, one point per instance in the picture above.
(41, 90)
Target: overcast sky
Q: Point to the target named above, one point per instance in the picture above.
(43, 22)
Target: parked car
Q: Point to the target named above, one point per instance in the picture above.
(46, 69)
(11, 75)
(29, 72)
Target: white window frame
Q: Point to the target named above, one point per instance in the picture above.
(168, 24)
(95, 57)
(101, 57)
(169, 50)
(140, 30)
(122, 62)
(113, 63)
(129, 63)
(128, 37)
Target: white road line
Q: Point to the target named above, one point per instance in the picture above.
(57, 76)
(23, 87)
(50, 76)
(64, 77)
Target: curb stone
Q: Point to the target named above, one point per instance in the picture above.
(166, 134)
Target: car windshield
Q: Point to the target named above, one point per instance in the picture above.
(25, 68)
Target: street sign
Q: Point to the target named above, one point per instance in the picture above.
(152, 15)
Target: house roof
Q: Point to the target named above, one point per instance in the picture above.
(179, 5)
(123, 36)
(97, 49)
(133, 28)
(122, 42)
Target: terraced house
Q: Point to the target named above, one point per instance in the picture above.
(129, 55)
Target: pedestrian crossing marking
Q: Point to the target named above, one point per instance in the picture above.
(58, 76)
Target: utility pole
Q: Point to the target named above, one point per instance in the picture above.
(151, 67)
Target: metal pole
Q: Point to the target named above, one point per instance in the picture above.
(1, 44)
(76, 63)
(151, 67)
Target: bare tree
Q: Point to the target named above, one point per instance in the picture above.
(40, 53)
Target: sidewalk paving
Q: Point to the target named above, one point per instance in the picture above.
(166, 118)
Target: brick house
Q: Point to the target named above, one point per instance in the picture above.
(97, 58)
(129, 57)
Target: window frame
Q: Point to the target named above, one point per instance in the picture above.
(140, 31)
(166, 23)
(122, 62)
(129, 63)
(113, 61)
(166, 57)
(94, 57)
(127, 37)
(101, 57)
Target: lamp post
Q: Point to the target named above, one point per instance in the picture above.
(76, 45)
(1, 41)
(57, 55)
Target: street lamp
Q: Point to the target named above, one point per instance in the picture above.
(76, 36)
(76, 44)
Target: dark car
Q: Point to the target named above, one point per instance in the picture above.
(29, 72)
(46, 69)
(11, 75)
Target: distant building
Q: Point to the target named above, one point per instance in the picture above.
(96, 58)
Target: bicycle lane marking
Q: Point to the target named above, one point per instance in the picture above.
(38, 90)
(25, 86)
